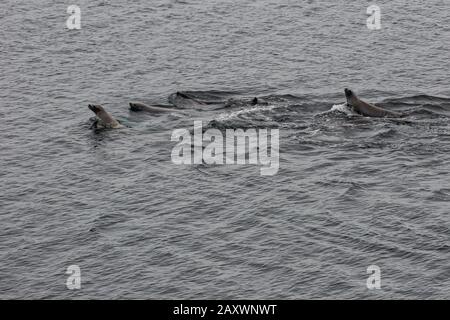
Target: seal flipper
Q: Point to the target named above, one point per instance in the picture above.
(94, 124)
(184, 95)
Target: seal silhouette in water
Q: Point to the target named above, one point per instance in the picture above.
(258, 101)
(182, 100)
(104, 119)
(367, 109)
(140, 107)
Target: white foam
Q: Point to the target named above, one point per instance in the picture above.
(236, 114)
(344, 108)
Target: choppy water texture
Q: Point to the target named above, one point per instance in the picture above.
(350, 192)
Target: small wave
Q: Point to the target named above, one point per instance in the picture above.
(106, 221)
(417, 99)
(425, 112)
(428, 105)
(440, 195)
(384, 134)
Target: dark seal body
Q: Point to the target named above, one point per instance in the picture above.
(104, 119)
(367, 109)
(140, 107)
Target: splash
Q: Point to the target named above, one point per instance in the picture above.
(344, 108)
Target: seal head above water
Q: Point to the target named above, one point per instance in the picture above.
(258, 101)
(104, 119)
(367, 109)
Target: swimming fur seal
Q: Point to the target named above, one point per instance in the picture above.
(182, 100)
(255, 101)
(104, 119)
(235, 103)
(366, 109)
(138, 107)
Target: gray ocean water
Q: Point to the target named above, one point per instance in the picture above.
(350, 191)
